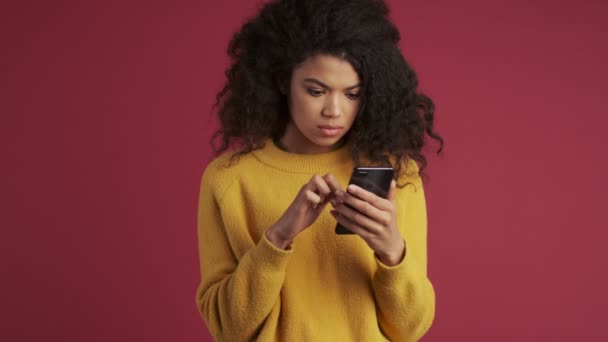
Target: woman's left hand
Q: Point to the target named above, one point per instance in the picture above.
(374, 219)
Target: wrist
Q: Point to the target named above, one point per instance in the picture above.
(392, 258)
(276, 239)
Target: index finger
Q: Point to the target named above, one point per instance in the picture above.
(369, 197)
(332, 182)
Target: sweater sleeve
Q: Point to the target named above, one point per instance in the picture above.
(404, 295)
(236, 295)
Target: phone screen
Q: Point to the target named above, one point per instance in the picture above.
(374, 179)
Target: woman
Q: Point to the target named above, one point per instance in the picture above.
(316, 87)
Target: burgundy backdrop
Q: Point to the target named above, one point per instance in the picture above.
(104, 136)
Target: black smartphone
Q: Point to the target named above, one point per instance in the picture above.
(374, 179)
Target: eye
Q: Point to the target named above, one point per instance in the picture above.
(315, 92)
(353, 96)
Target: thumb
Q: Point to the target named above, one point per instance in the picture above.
(391, 191)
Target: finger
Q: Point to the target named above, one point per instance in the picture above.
(366, 208)
(391, 191)
(319, 186)
(350, 225)
(369, 197)
(332, 182)
(312, 198)
(359, 218)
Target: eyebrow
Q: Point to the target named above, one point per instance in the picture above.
(319, 83)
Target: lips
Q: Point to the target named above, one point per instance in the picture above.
(330, 131)
(330, 127)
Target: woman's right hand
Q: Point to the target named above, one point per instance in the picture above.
(304, 210)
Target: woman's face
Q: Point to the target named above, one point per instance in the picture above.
(324, 98)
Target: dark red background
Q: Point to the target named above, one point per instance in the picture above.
(104, 131)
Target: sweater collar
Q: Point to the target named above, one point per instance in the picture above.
(321, 163)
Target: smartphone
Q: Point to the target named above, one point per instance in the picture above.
(374, 179)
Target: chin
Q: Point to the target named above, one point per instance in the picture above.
(327, 141)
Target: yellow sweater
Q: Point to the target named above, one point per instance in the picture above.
(327, 287)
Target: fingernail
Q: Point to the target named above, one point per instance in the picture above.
(352, 188)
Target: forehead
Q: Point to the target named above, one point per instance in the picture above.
(333, 71)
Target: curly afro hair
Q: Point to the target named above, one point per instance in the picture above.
(394, 119)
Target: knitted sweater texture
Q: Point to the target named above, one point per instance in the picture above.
(325, 287)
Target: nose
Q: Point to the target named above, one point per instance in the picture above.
(332, 107)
